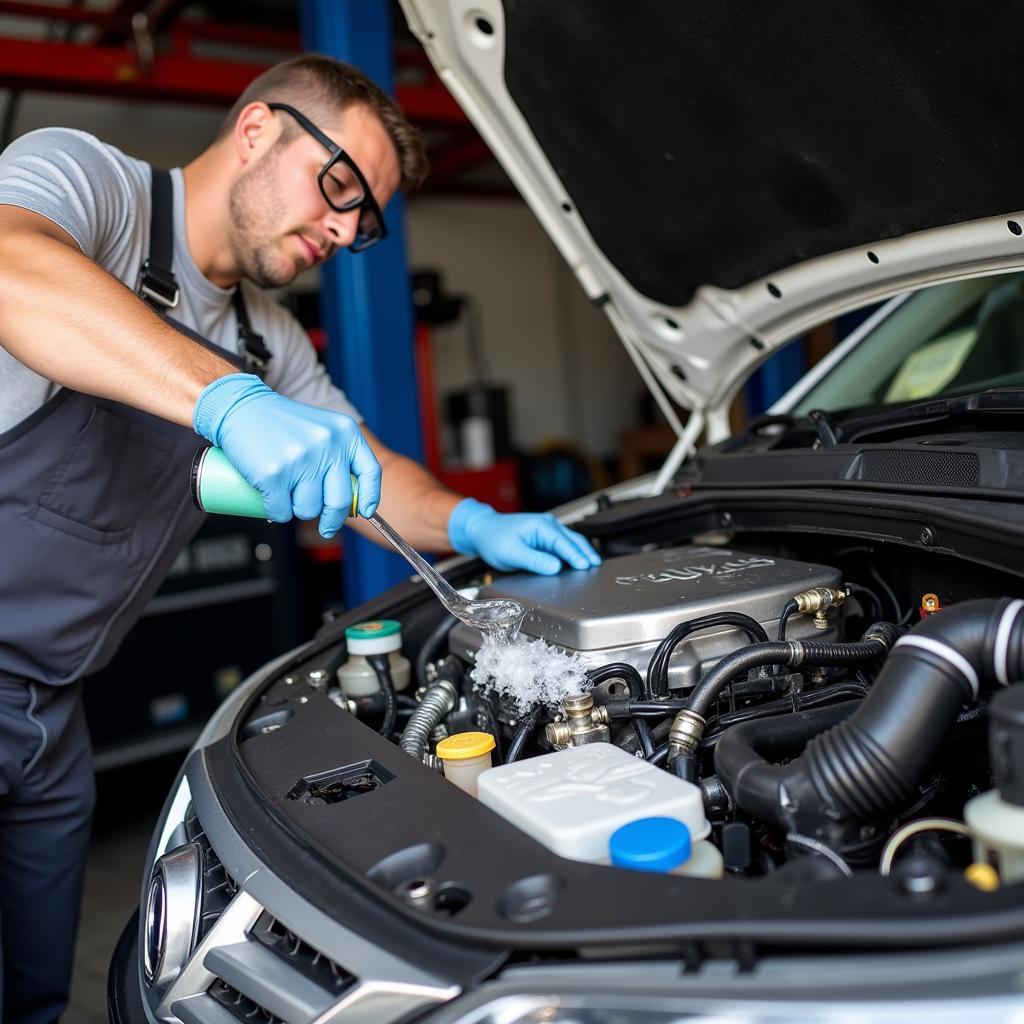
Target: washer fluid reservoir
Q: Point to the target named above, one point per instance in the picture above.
(573, 800)
(357, 677)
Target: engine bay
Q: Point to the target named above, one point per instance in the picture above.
(622, 610)
(770, 718)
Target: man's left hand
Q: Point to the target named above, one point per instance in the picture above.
(520, 540)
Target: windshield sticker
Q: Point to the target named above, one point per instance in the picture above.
(928, 370)
(694, 572)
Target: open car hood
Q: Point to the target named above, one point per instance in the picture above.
(721, 177)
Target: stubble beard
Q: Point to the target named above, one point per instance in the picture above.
(257, 210)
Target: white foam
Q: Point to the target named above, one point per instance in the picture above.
(528, 672)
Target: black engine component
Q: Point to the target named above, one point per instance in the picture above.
(1006, 743)
(870, 764)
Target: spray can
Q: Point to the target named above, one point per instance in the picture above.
(218, 487)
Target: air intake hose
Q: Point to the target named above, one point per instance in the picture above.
(871, 763)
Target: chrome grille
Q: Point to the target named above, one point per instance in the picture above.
(260, 957)
(218, 886)
(275, 936)
(240, 1007)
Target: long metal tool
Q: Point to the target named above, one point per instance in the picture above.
(218, 487)
(498, 618)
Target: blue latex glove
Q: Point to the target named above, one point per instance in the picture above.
(519, 540)
(297, 456)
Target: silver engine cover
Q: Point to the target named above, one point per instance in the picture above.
(621, 610)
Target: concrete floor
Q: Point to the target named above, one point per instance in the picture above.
(128, 803)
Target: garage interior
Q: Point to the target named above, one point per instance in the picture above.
(471, 314)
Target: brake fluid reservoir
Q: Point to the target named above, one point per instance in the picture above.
(574, 799)
(357, 677)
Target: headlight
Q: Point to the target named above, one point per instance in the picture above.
(171, 914)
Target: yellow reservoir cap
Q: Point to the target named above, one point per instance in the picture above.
(982, 876)
(464, 745)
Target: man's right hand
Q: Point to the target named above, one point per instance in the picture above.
(299, 457)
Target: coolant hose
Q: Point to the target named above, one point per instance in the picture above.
(523, 733)
(430, 646)
(657, 669)
(788, 611)
(440, 698)
(380, 664)
(878, 639)
(871, 763)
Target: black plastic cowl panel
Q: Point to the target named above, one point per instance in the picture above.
(328, 853)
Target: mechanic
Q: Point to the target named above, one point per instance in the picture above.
(131, 320)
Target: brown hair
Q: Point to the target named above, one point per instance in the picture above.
(321, 87)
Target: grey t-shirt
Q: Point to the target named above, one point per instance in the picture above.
(102, 199)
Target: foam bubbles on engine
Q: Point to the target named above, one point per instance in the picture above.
(528, 672)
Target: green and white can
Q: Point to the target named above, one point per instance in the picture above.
(218, 487)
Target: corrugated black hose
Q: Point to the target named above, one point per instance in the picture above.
(872, 761)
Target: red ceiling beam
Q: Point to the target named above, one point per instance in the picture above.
(178, 76)
(79, 15)
(114, 71)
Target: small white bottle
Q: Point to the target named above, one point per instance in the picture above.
(996, 818)
(465, 755)
(357, 677)
(664, 845)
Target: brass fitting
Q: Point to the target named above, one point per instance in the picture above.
(684, 736)
(818, 601)
(583, 723)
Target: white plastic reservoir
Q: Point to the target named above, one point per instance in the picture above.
(573, 800)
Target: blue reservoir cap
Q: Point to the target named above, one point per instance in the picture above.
(650, 844)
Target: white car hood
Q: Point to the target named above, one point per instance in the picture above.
(710, 198)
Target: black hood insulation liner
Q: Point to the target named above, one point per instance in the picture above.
(716, 143)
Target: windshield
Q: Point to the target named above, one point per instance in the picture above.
(951, 339)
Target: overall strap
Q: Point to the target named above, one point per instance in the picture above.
(157, 284)
(159, 287)
(257, 355)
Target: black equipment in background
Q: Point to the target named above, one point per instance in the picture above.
(223, 612)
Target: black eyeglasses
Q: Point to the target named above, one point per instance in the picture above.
(343, 186)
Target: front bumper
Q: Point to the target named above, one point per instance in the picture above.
(124, 994)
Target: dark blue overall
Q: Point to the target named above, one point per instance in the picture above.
(94, 508)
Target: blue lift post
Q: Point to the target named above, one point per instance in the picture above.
(365, 298)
